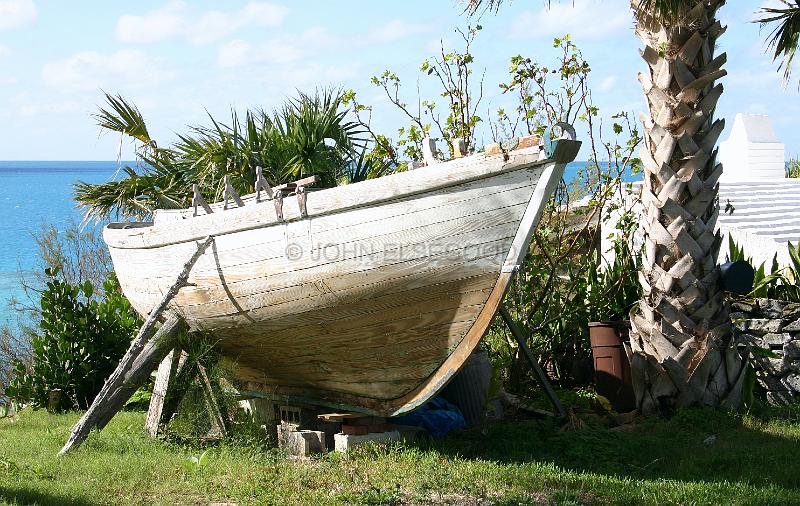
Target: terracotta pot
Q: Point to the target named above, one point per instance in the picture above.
(612, 370)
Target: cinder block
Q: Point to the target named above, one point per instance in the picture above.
(345, 442)
(302, 443)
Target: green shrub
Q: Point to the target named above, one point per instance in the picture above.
(777, 283)
(81, 339)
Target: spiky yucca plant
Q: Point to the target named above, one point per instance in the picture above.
(309, 135)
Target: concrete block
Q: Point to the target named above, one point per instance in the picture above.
(780, 398)
(410, 433)
(302, 443)
(345, 442)
(762, 325)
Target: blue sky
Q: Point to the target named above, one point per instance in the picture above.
(177, 59)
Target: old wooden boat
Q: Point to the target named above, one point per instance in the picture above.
(367, 297)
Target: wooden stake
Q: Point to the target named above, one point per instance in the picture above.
(218, 424)
(540, 375)
(164, 376)
(136, 359)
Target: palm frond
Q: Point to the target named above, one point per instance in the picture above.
(784, 37)
(124, 118)
(309, 135)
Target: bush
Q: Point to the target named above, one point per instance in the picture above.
(81, 339)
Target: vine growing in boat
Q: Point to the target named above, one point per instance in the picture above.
(453, 71)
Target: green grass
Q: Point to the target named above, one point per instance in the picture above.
(754, 460)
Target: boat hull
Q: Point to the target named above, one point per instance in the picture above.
(371, 307)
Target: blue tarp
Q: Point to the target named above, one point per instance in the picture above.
(437, 416)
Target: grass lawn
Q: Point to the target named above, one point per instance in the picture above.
(753, 460)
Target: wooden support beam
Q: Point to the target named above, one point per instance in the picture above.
(262, 185)
(541, 376)
(142, 357)
(198, 200)
(429, 151)
(219, 425)
(129, 376)
(164, 376)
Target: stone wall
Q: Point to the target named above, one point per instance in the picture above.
(773, 325)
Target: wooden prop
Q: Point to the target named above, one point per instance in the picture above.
(218, 423)
(540, 375)
(429, 151)
(262, 185)
(142, 357)
(166, 372)
(168, 394)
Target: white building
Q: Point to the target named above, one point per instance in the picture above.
(753, 151)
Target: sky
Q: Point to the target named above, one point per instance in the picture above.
(179, 61)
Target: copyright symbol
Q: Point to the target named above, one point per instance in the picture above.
(294, 251)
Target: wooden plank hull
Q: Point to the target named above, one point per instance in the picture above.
(371, 301)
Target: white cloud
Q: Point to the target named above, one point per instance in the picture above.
(583, 19)
(314, 41)
(235, 53)
(214, 25)
(90, 70)
(395, 30)
(4, 51)
(177, 20)
(607, 84)
(16, 13)
(48, 109)
(159, 24)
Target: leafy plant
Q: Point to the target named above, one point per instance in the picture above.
(196, 464)
(462, 99)
(793, 168)
(777, 283)
(308, 135)
(76, 255)
(81, 338)
(563, 283)
(784, 37)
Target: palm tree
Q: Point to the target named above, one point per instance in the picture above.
(683, 350)
(784, 37)
(308, 135)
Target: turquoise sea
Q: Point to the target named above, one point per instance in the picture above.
(35, 193)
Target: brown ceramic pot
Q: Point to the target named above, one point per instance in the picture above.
(612, 370)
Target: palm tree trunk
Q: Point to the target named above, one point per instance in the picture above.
(682, 346)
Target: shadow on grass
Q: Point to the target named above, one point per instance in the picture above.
(19, 495)
(696, 444)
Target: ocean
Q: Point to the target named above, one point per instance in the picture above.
(36, 193)
(33, 194)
